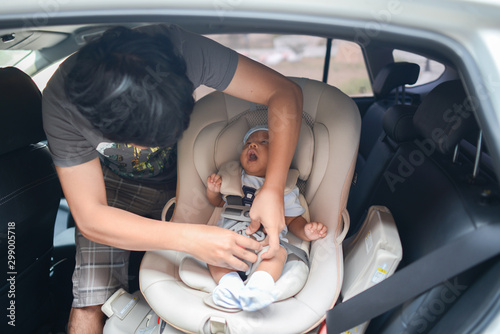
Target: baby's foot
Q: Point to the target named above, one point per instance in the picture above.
(253, 299)
(227, 293)
(258, 293)
(315, 231)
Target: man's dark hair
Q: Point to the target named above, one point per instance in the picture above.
(133, 87)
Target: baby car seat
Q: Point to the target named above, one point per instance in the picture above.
(175, 284)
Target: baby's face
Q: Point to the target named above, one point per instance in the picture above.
(253, 158)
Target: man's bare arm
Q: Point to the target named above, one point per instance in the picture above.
(257, 83)
(84, 189)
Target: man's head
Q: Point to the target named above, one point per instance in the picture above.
(133, 87)
(255, 152)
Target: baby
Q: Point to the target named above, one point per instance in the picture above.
(231, 292)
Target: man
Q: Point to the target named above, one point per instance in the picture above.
(122, 102)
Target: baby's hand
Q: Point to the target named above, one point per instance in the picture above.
(315, 231)
(214, 182)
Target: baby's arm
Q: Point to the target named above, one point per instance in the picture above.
(304, 230)
(214, 196)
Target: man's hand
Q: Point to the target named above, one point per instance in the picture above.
(268, 210)
(220, 247)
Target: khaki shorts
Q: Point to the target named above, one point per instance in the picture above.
(100, 270)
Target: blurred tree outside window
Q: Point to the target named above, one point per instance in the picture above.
(302, 56)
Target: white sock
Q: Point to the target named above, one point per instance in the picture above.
(258, 293)
(227, 293)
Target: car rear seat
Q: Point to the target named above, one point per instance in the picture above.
(397, 128)
(434, 201)
(390, 77)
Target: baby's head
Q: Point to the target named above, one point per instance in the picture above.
(255, 152)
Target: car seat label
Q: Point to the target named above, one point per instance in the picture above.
(129, 305)
(380, 274)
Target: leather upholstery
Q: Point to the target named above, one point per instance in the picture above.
(446, 116)
(21, 110)
(391, 76)
(395, 75)
(398, 123)
(29, 200)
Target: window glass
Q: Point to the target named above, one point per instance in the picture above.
(290, 55)
(42, 77)
(348, 70)
(302, 56)
(12, 57)
(430, 70)
(25, 61)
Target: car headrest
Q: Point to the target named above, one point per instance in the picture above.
(445, 116)
(20, 111)
(395, 75)
(398, 123)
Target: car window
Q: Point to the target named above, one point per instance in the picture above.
(430, 70)
(348, 70)
(302, 56)
(25, 61)
(42, 77)
(12, 57)
(291, 55)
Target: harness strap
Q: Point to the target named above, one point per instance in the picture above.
(237, 210)
(233, 200)
(299, 252)
(240, 213)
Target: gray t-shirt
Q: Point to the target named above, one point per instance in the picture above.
(73, 140)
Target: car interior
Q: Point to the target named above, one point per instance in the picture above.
(421, 155)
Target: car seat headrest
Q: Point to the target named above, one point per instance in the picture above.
(445, 116)
(226, 148)
(398, 123)
(395, 75)
(20, 111)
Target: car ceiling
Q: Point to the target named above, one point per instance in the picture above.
(36, 38)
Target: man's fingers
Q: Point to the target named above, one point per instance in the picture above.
(274, 245)
(241, 253)
(246, 255)
(237, 264)
(248, 243)
(243, 250)
(253, 227)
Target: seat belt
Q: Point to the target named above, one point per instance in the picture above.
(299, 252)
(421, 275)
